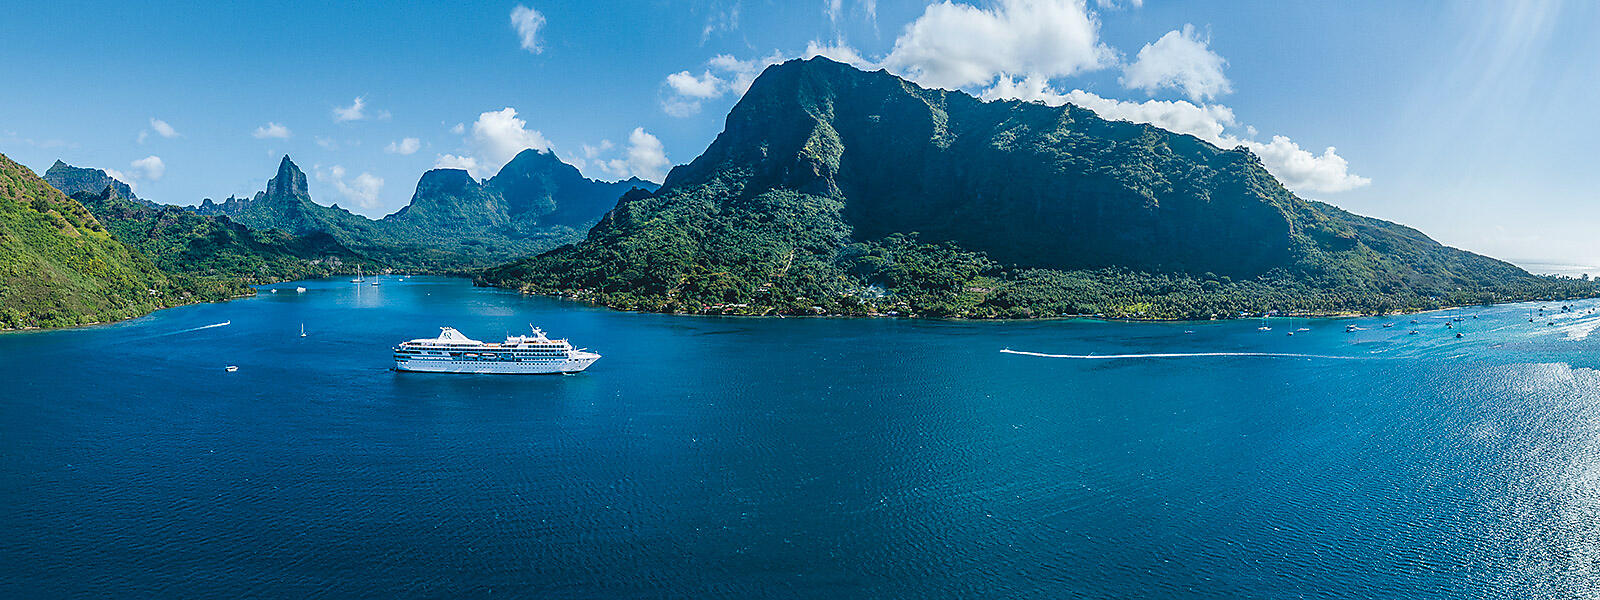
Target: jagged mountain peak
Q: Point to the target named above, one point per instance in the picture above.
(289, 181)
(71, 180)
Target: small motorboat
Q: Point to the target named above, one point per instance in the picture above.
(232, 368)
(300, 290)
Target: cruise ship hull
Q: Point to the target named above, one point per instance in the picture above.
(424, 364)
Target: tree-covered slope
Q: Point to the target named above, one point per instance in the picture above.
(192, 246)
(59, 266)
(839, 190)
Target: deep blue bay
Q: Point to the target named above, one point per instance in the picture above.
(802, 457)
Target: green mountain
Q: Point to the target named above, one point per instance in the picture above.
(540, 190)
(836, 190)
(215, 249)
(536, 202)
(59, 266)
(286, 205)
(71, 180)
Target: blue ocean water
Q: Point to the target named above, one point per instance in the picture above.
(835, 458)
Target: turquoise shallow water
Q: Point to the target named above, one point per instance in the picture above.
(738, 458)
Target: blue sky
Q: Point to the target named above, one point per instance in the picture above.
(1472, 121)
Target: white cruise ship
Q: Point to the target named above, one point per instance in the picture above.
(452, 352)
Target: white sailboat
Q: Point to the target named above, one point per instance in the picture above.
(302, 330)
(358, 278)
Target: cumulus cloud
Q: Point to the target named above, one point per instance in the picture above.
(724, 75)
(956, 45)
(495, 138)
(355, 112)
(839, 52)
(271, 131)
(527, 22)
(588, 153)
(1298, 169)
(645, 158)
(149, 167)
(162, 128)
(687, 84)
(123, 177)
(363, 189)
(1179, 60)
(452, 161)
(405, 146)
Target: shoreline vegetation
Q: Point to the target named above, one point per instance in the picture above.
(748, 312)
(1579, 289)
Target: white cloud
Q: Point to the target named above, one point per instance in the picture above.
(727, 20)
(1298, 169)
(163, 128)
(405, 146)
(452, 161)
(363, 189)
(499, 135)
(1179, 60)
(495, 138)
(587, 153)
(839, 52)
(724, 75)
(646, 158)
(327, 143)
(271, 130)
(149, 167)
(527, 22)
(1301, 170)
(955, 45)
(684, 83)
(1117, 4)
(123, 177)
(1208, 122)
(355, 112)
(459, 128)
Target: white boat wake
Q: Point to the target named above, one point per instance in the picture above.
(222, 324)
(1189, 355)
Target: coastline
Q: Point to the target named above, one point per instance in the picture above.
(768, 314)
(826, 315)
